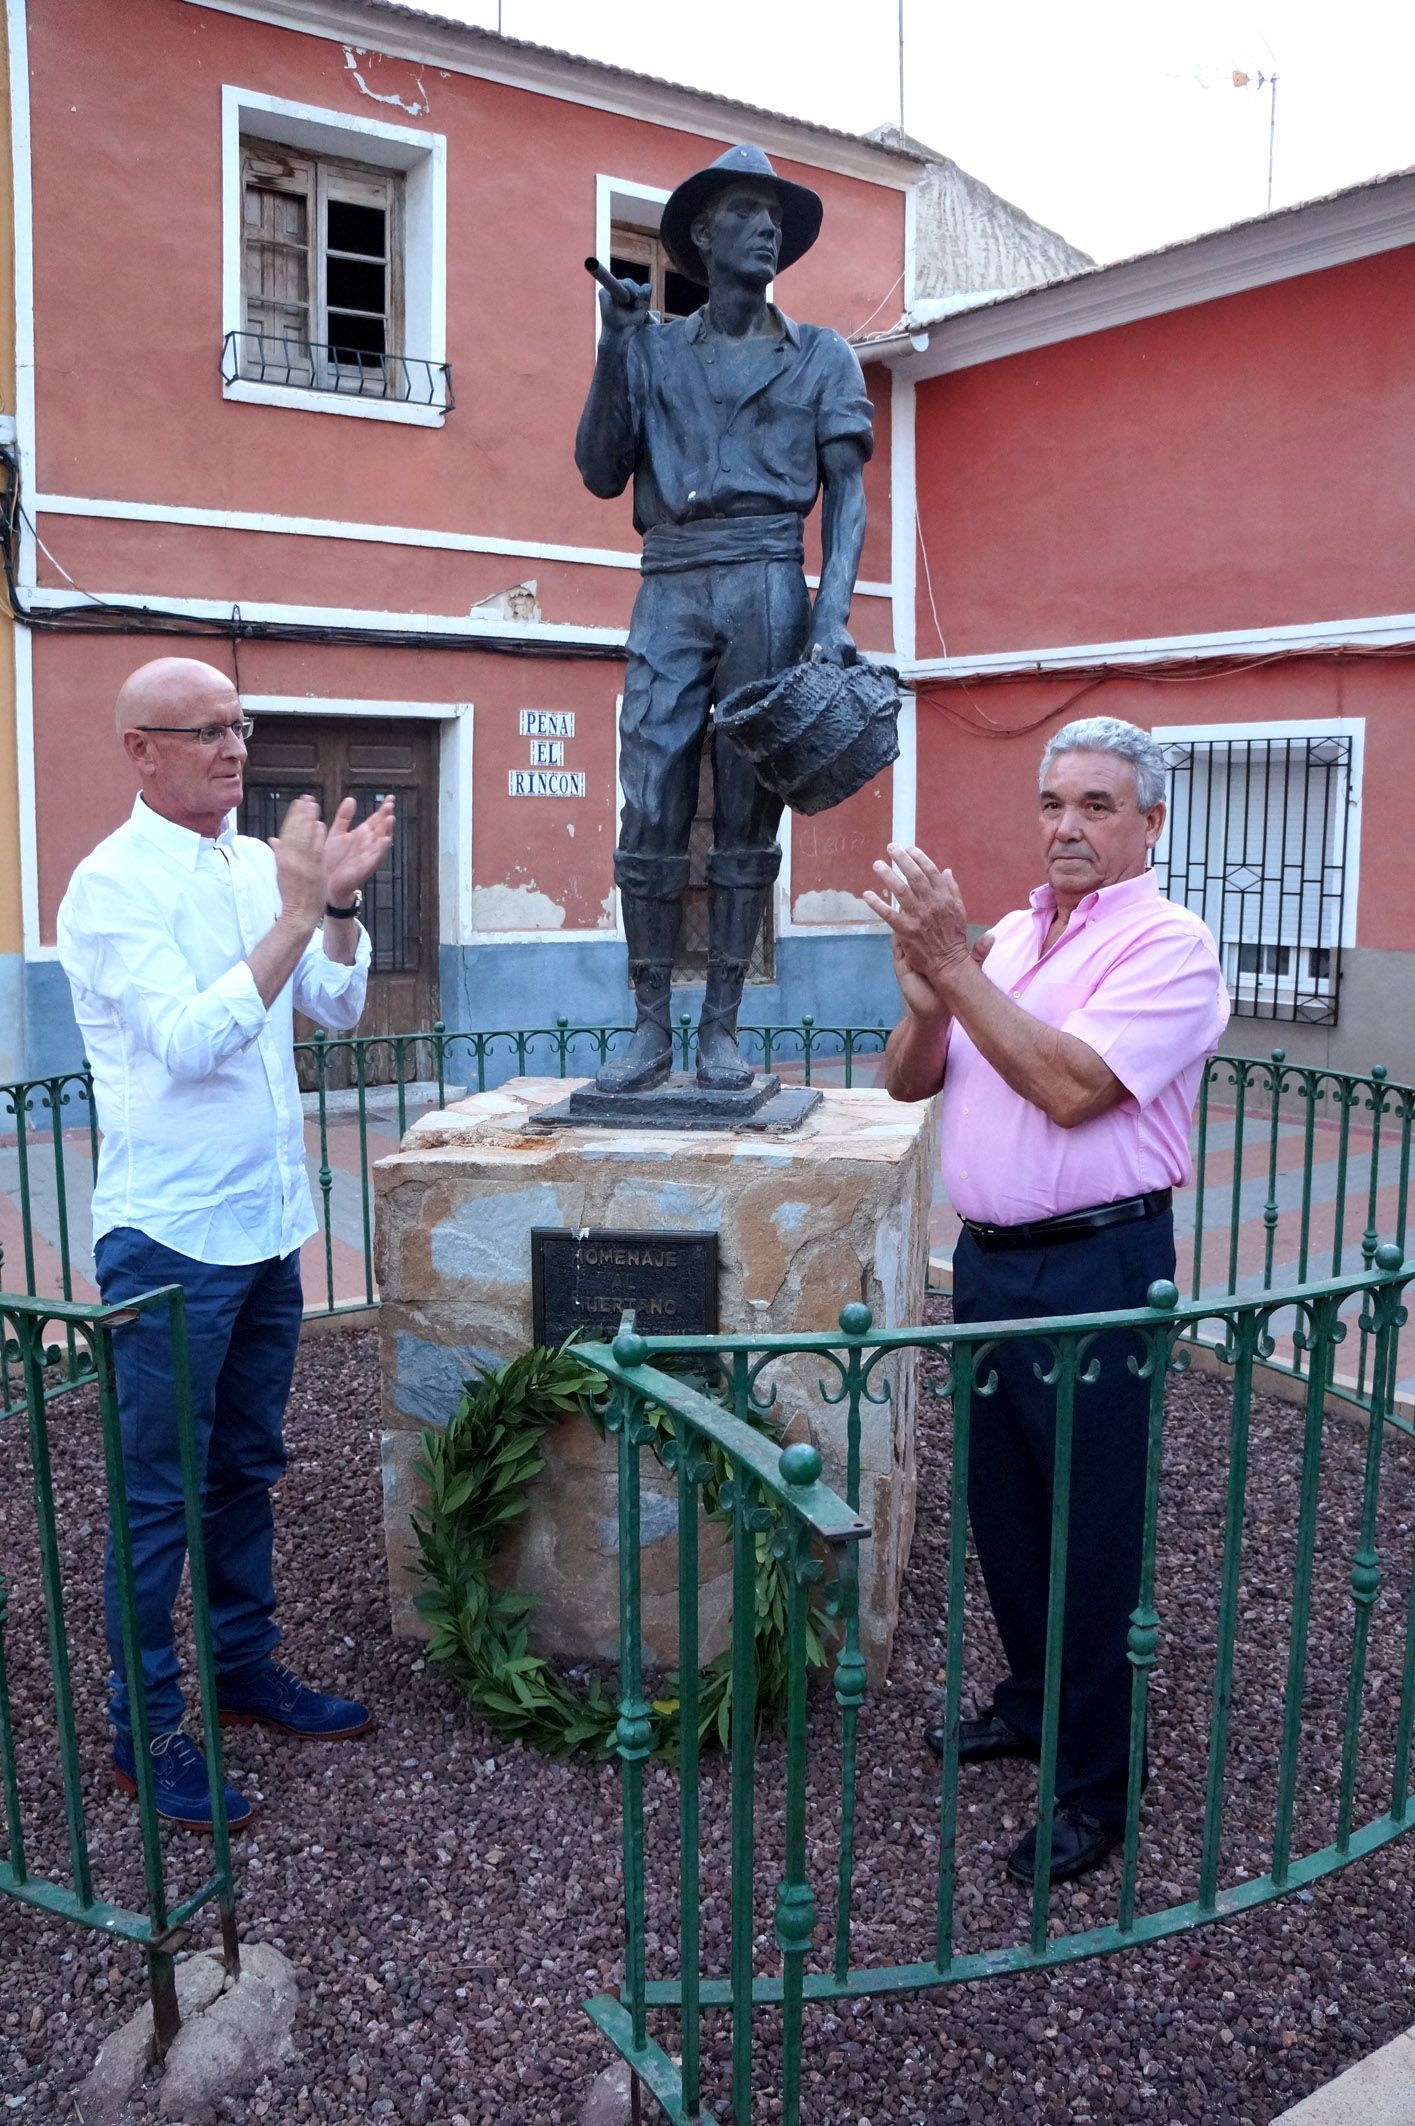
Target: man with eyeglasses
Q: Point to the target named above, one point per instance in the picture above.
(188, 948)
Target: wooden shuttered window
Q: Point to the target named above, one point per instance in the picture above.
(322, 271)
(638, 255)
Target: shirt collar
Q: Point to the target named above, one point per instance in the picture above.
(786, 327)
(183, 844)
(1125, 893)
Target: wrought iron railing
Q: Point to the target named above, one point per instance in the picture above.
(365, 1091)
(1297, 1169)
(803, 1791)
(1256, 844)
(1293, 1262)
(48, 1350)
(348, 372)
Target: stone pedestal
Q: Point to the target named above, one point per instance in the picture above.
(807, 1221)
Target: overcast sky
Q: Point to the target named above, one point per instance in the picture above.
(1114, 121)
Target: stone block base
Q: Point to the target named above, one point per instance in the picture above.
(807, 1222)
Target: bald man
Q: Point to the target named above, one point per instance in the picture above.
(188, 948)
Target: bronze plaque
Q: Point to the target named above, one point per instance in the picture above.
(586, 1280)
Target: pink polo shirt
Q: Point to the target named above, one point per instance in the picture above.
(1138, 980)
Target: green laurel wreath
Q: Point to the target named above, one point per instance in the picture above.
(479, 1473)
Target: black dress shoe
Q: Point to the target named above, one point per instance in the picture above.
(980, 1740)
(1078, 1843)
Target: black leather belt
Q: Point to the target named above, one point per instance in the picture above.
(1072, 1225)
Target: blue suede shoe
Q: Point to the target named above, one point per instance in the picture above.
(179, 1778)
(269, 1696)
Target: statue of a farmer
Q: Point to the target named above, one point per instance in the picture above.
(729, 423)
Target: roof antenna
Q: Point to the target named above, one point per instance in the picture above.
(901, 67)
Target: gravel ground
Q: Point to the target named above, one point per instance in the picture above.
(449, 1901)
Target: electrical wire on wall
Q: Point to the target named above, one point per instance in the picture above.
(100, 616)
(1177, 671)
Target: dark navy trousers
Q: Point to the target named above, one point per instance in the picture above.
(1010, 1477)
(243, 1326)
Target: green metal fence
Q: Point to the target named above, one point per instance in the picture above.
(364, 1091)
(48, 1350)
(1297, 1169)
(656, 2022)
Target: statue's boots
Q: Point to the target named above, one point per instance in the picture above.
(739, 881)
(651, 891)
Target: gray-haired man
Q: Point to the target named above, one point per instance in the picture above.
(1069, 1059)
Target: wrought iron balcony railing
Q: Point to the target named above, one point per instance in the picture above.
(345, 372)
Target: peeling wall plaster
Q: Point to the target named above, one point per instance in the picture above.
(830, 905)
(353, 53)
(515, 908)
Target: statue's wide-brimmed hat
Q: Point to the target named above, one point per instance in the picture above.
(801, 209)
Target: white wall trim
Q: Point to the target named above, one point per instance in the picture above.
(905, 793)
(454, 786)
(903, 530)
(618, 928)
(17, 36)
(453, 47)
(1308, 239)
(245, 391)
(475, 623)
(250, 520)
(911, 245)
(422, 156)
(452, 542)
(1318, 726)
(620, 199)
(28, 796)
(1383, 630)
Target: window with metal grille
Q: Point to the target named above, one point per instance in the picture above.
(1256, 842)
(322, 275)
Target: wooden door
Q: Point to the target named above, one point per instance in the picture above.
(363, 758)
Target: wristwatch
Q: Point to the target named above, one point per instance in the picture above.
(342, 915)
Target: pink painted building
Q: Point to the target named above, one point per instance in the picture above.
(305, 335)
(1181, 490)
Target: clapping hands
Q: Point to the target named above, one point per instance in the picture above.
(317, 865)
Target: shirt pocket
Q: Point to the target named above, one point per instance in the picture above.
(784, 441)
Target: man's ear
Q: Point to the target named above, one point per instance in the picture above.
(1154, 823)
(139, 751)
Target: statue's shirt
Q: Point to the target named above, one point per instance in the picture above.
(734, 428)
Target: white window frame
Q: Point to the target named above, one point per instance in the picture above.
(422, 158)
(320, 181)
(622, 199)
(1315, 728)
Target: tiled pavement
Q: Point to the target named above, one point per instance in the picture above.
(1260, 1195)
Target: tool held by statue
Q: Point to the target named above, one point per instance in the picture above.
(618, 290)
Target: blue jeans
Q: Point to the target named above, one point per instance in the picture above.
(243, 1326)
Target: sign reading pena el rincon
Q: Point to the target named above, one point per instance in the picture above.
(585, 1280)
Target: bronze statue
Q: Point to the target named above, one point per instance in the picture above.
(729, 423)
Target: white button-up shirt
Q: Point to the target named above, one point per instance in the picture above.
(193, 1079)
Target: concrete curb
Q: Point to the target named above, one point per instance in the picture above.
(1377, 2091)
